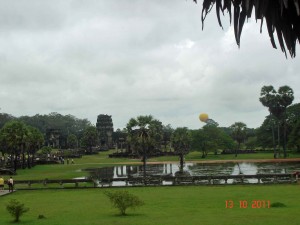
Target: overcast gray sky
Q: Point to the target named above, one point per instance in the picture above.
(135, 57)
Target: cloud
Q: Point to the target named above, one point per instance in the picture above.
(129, 58)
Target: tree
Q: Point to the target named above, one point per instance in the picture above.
(292, 123)
(294, 137)
(4, 118)
(213, 141)
(277, 102)
(264, 139)
(251, 143)
(181, 142)
(16, 209)
(144, 136)
(34, 141)
(166, 136)
(13, 136)
(238, 132)
(72, 141)
(199, 141)
(211, 138)
(66, 124)
(90, 138)
(281, 15)
(122, 200)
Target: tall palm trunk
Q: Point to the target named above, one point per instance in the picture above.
(284, 137)
(274, 144)
(181, 162)
(15, 161)
(28, 160)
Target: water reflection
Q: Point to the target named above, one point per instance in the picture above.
(193, 169)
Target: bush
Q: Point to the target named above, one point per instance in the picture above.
(45, 150)
(123, 200)
(16, 209)
(277, 205)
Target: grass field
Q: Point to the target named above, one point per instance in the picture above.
(163, 205)
(191, 205)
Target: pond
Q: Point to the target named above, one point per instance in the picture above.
(192, 169)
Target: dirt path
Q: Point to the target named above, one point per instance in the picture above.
(4, 192)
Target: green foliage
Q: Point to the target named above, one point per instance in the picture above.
(265, 133)
(13, 135)
(251, 143)
(144, 134)
(41, 216)
(167, 132)
(46, 150)
(294, 137)
(34, 139)
(90, 138)
(276, 101)
(72, 141)
(122, 200)
(16, 209)
(210, 138)
(4, 118)
(239, 132)
(65, 123)
(278, 205)
(181, 140)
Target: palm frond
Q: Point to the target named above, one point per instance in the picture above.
(282, 16)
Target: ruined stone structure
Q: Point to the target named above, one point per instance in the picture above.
(53, 138)
(105, 131)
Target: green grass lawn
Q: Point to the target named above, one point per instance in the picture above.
(191, 205)
(164, 205)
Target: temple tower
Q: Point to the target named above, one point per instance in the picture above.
(105, 130)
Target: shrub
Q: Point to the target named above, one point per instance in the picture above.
(41, 216)
(123, 200)
(16, 209)
(45, 150)
(277, 205)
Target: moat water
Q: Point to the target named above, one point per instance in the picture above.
(193, 169)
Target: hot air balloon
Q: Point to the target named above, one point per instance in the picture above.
(203, 117)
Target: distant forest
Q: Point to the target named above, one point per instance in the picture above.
(67, 124)
(268, 136)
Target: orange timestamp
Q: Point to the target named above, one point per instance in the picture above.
(243, 204)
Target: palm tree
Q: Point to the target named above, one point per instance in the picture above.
(277, 102)
(239, 133)
(34, 141)
(13, 135)
(89, 138)
(144, 136)
(181, 142)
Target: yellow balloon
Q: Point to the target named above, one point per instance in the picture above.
(203, 117)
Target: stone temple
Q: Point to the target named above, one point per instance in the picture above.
(105, 130)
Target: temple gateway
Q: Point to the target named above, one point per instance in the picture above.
(105, 130)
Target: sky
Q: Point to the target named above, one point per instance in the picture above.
(127, 58)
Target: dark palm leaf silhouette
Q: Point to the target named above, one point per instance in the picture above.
(282, 16)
